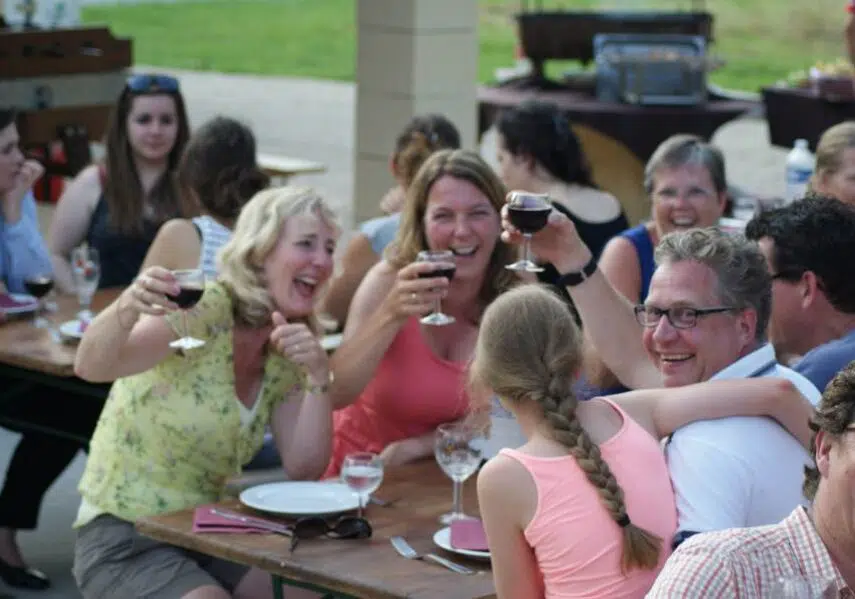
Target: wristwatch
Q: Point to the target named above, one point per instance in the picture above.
(571, 279)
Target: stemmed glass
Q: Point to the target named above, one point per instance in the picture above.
(446, 266)
(86, 270)
(457, 447)
(801, 587)
(39, 285)
(192, 284)
(529, 213)
(362, 473)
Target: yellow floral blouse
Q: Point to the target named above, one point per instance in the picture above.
(169, 438)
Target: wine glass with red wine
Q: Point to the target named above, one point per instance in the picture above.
(529, 213)
(192, 287)
(39, 285)
(445, 267)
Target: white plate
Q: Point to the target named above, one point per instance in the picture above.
(31, 305)
(442, 539)
(71, 329)
(298, 498)
(331, 342)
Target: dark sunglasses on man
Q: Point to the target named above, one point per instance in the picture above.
(348, 527)
(152, 84)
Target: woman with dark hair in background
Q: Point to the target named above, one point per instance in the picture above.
(118, 206)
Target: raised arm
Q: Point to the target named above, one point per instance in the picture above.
(607, 316)
(663, 411)
(23, 244)
(70, 222)
(129, 336)
(175, 247)
(381, 306)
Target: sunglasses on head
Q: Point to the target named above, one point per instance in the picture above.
(348, 527)
(152, 84)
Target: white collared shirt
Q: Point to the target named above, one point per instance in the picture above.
(744, 471)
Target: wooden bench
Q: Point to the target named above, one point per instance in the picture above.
(282, 168)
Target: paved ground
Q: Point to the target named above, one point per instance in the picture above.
(314, 120)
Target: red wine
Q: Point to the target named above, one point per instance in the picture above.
(528, 220)
(39, 286)
(187, 297)
(446, 272)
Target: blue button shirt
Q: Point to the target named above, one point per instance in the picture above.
(22, 249)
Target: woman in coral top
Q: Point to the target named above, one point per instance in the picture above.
(583, 507)
(396, 379)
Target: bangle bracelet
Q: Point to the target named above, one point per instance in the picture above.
(316, 389)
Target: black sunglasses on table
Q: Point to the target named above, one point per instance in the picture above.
(152, 84)
(348, 527)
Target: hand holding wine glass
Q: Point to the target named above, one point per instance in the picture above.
(528, 213)
(556, 242)
(445, 267)
(362, 473)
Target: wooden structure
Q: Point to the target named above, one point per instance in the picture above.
(795, 113)
(365, 569)
(64, 83)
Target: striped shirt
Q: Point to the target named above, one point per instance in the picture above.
(214, 236)
(745, 563)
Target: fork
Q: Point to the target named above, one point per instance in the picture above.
(406, 550)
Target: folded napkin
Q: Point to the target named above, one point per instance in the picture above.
(7, 301)
(205, 519)
(469, 534)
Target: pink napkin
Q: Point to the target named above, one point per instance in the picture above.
(7, 301)
(205, 520)
(469, 534)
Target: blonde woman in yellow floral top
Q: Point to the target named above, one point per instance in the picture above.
(176, 426)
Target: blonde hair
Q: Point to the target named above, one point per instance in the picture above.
(467, 166)
(258, 229)
(829, 150)
(528, 351)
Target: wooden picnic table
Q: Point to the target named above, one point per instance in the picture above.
(354, 569)
(25, 347)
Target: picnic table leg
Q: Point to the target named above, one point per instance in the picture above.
(279, 584)
(278, 587)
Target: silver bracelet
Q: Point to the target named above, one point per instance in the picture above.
(316, 389)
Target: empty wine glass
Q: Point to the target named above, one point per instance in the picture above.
(802, 587)
(192, 287)
(362, 473)
(529, 213)
(39, 285)
(445, 267)
(457, 448)
(86, 270)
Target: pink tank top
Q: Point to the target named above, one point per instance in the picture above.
(576, 542)
(413, 391)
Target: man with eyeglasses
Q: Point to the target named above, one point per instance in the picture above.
(807, 245)
(704, 318)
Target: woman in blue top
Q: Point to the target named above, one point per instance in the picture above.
(38, 459)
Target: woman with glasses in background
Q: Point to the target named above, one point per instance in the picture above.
(117, 206)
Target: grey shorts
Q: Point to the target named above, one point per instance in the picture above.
(112, 560)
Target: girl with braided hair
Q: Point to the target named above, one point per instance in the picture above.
(585, 507)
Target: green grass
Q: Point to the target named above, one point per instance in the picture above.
(761, 40)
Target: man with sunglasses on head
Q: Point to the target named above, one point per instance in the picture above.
(704, 319)
(806, 245)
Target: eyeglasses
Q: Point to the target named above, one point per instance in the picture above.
(152, 84)
(348, 527)
(680, 317)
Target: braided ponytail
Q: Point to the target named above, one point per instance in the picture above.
(529, 348)
(641, 549)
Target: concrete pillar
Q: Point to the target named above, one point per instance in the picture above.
(414, 57)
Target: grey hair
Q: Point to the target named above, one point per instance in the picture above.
(743, 277)
(680, 150)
